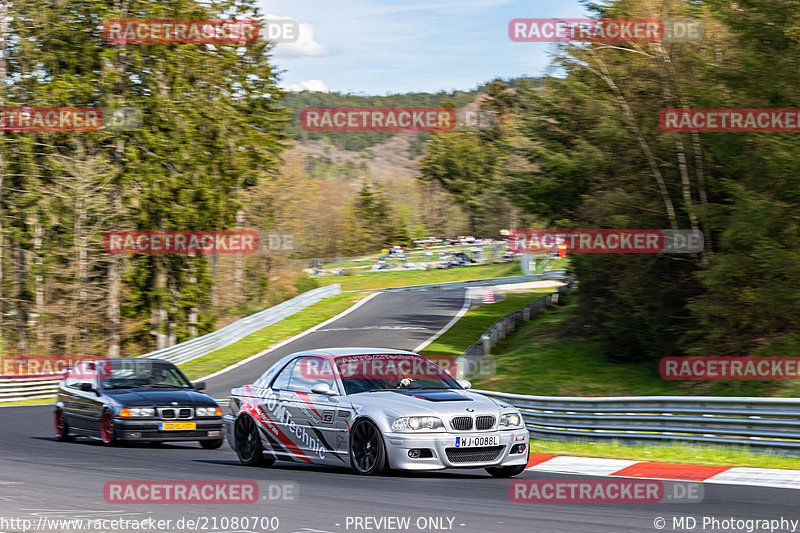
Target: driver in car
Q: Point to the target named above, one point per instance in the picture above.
(159, 377)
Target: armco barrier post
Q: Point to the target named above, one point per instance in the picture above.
(487, 344)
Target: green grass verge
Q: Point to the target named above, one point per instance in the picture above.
(268, 336)
(469, 329)
(671, 453)
(400, 278)
(550, 356)
(540, 358)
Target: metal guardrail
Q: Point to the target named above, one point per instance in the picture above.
(758, 422)
(12, 390)
(236, 331)
(28, 389)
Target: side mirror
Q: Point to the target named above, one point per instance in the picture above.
(323, 388)
(464, 383)
(87, 387)
(199, 385)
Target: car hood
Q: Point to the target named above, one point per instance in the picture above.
(448, 402)
(160, 397)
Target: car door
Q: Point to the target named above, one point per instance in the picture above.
(96, 400)
(322, 433)
(275, 413)
(83, 409)
(91, 401)
(68, 393)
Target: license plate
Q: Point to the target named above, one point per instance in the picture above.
(177, 426)
(475, 442)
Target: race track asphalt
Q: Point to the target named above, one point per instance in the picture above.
(400, 320)
(42, 479)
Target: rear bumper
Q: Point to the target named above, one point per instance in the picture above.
(147, 430)
(444, 454)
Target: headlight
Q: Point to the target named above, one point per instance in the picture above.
(414, 423)
(208, 411)
(137, 411)
(510, 420)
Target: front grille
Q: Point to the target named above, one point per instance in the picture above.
(461, 423)
(473, 455)
(484, 422)
(168, 413)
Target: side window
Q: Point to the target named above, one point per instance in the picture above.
(282, 381)
(83, 373)
(73, 379)
(308, 372)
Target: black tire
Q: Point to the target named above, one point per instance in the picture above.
(108, 433)
(248, 443)
(506, 471)
(367, 450)
(212, 444)
(61, 427)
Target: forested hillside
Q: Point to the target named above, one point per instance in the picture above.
(587, 152)
(213, 130)
(216, 150)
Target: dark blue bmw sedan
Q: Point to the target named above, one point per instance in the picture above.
(135, 400)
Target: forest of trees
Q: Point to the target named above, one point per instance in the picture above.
(579, 149)
(211, 153)
(586, 151)
(212, 130)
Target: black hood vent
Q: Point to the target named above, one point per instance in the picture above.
(435, 396)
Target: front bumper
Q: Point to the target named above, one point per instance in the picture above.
(444, 454)
(130, 429)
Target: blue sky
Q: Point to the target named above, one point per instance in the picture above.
(395, 46)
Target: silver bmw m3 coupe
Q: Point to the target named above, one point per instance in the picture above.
(372, 409)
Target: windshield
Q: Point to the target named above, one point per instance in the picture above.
(134, 374)
(365, 373)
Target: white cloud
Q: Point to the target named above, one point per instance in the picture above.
(309, 85)
(305, 45)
